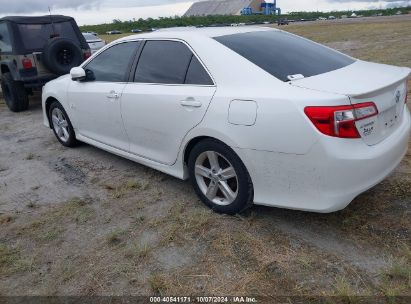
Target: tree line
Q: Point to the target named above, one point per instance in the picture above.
(179, 21)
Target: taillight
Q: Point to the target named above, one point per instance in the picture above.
(86, 54)
(406, 90)
(27, 64)
(339, 121)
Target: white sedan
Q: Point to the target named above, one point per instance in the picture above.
(249, 115)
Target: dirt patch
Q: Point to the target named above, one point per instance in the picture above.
(70, 173)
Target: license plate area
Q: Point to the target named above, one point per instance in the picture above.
(390, 118)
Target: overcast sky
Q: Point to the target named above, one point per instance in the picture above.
(100, 11)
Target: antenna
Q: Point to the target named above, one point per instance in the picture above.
(53, 34)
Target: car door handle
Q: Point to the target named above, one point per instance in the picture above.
(113, 95)
(190, 102)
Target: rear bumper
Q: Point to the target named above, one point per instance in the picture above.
(327, 178)
(37, 81)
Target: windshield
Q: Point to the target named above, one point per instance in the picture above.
(284, 55)
(35, 36)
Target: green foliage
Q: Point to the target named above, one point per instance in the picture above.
(165, 22)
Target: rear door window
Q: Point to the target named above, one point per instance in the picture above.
(196, 73)
(114, 64)
(5, 42)
(282, 54)
(163, 62)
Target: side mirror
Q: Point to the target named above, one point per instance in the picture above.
(90, 75)
(78, 74)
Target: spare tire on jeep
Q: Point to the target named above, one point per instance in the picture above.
(60, 55)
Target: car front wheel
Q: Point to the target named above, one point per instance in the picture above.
(220, 178)
(61, 125)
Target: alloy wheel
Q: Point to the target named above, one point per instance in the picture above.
(216, 178)
(60, 124)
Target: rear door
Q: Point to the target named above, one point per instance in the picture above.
(97, 102)
(169, 96)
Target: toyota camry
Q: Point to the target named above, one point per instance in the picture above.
(249, 115)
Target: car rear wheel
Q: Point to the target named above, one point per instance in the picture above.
(14, 93)
(61, 125)
(220, 178)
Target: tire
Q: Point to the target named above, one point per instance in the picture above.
(61, 125)
(60, 55)
(14, 93)
(235, 199)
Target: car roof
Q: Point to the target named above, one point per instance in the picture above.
(182, 32)
(37, 19)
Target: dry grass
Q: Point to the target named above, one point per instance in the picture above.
(378, 42)
(138, 251)
(11, 260)
(158, 284)
(343, 289)
(30, 156)
(396, 279)
(6, 218)
(51, 225)
(116, 237)
(111, 38)
(119, 191)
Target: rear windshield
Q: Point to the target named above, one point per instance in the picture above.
(35, 36)
(282, 54)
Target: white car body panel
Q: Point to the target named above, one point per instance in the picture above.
(329, 176)
(174, 110)
(291, 164)
(96, 115)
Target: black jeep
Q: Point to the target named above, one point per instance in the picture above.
(35, 50)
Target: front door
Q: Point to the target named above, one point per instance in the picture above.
(97, 100)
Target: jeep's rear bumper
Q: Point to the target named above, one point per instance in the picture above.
(37, 81)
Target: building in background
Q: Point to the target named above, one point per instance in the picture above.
(233, 7)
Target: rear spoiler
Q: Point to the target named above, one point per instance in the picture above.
(356, 80)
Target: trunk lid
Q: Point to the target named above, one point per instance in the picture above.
(367, 82)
